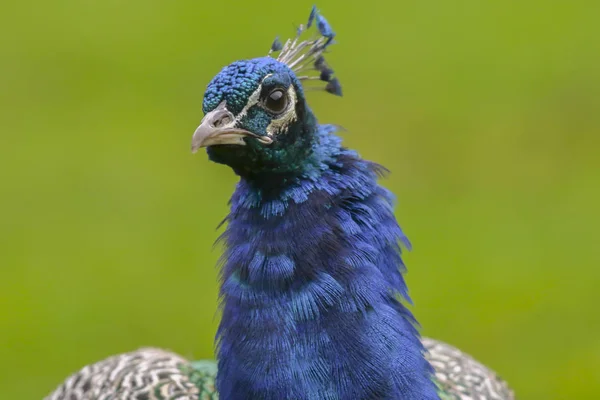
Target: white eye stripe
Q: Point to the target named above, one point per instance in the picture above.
(252, 100)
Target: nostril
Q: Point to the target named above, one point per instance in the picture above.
(224, 120)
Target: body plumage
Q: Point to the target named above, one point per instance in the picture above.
(312, 275)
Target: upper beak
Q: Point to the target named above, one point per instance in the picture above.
(218, 127)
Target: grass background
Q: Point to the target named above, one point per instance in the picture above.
(486, 112)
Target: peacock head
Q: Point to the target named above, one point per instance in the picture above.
(256, 117)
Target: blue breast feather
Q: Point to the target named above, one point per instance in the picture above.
(310, 280)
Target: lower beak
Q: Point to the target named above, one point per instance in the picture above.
(218, 127)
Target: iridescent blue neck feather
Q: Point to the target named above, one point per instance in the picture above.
(310, 279)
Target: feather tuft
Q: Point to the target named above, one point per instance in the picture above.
(334, 87)
(324, 27)
(277, 45)
(320, 63)
(325, 75)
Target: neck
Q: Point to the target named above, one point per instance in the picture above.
(310, 279)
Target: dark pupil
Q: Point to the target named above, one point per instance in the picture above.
(276, 101)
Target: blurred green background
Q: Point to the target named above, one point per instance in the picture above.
(486, 112)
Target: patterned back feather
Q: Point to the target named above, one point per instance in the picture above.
(145, 374)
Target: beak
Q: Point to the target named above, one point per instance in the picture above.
(218, 127)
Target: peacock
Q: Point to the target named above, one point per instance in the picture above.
(312, 280)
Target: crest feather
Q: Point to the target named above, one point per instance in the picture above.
(305, 57)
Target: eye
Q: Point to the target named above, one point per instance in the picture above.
(276, 101)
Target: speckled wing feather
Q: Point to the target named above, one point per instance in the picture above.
(155, 374)
(145, 374)
(460, 377)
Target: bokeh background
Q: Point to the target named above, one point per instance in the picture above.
(487, 114)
